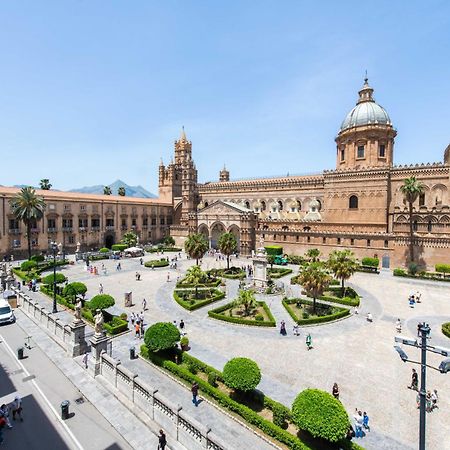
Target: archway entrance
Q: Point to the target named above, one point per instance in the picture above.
(109, 240)
(203, 229)
(385, 262)
(234, 229)
(216, 231)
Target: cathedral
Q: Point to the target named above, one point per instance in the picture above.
(358, 205)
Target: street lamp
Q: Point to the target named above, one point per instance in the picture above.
(54, 247)
(424, 331)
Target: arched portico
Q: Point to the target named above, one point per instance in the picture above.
(217, 229)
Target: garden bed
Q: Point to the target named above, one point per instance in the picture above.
(157, 263)
(187, 297)
(368, 269)
(301, 311)
(433, 276)
(446, 329)
(232, 313)
(214, 282)
(163, 249)
(278, 272)
(233, 273)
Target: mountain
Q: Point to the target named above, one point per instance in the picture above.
(131, 191)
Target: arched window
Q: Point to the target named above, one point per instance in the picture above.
(320, 205)
(421, 199)
(206, 204)
(429, 226)
(247, 205)
(415, 225)
(280, 205)
(263, 205)
(353, 202)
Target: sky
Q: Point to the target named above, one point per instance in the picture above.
(92, 91)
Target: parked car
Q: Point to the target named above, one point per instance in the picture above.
(444, 367)
(6, 313)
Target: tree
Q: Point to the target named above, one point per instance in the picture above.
(343, 264)
(27, 207)
(107, 190)
(271, 260)
(161, 336)
(196, 246)
(247, 300)
(45, 184)
(195, 276)
(227, 245)
(51, 280)
(121, 191)
(169, 241)
(101, 301)
(129, 239)
(320, 414)
(242, 374)
(314, 279)
(74, 289)
(411, 189)
(313, 254)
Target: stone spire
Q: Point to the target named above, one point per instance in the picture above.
(224, 174)
(365, 94)
(183, 135)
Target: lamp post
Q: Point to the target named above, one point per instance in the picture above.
(424, 331)
(54, 247)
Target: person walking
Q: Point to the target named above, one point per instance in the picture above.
(162, 441)
(132, 318)
(194, 390)
(100, 288)
(309, 342)
(182, 327)
(16, 407)
(144, 304)
(4, 412)
(358, 419)
(137, 330)
(398, 325)
(414, 380)
(335, 391)
(366, 421)
(283, 331)
(168, 276)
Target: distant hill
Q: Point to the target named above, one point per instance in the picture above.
(131, 191)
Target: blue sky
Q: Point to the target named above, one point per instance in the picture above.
(92, 91)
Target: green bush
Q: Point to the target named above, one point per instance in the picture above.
(241, 374)
(442, 268)
(161, 336)
(371, 262)
(274, 250)
(49, 279)
(116, 326)
(306, 320)
(217, 314)
(26, 266)
(295, 259)
(278, 272)
(192, 305)
(212, 379)
(413, 268)
(157, 263)
(320, 414)
(74, 289)
(104, 250)
(446, 329)
(119, 247)
(259, 318)
(37, 258)
(400, 273)
(280, 415)
(101, 301)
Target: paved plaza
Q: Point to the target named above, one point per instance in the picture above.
(358, 355)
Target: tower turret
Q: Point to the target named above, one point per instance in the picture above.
(224, 174)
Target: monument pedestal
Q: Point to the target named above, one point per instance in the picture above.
(78, 345)
(260, 269)
(99, 343)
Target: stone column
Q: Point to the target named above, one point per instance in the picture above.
(77, 345)
(99, 344)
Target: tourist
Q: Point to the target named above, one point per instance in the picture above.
(132, 318)
(144, 304)
(138, 276)
(141, 261)
(137, 330)
(428, 401)
(414, 380)
(418, 329)
(283, 331)
(369, 317)
(296, 330)
(309, 342)
(194, 390)
(100, 288)
(162, 441)
(418, 296)
(142, 329)
(398, 326)
(168, 276)
(358, 420)
(16, 407)
(182, 327)
(4, 412)
(356, 310)
(85, 360)
(335, 391)
(366, 421)
(434, 400)
(412, 301)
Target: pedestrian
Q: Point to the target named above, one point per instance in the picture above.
(418, 329)
(398, 325)
(418, 296)
(194, 390)
(141, 261)
(168, 276)
(16, 407)
(309, 342)
(142, 329)
(132, 318)
(100, 288)
(144, 304)
(358, 421)
(414, 380)
(4, 412)
(162, 441)
(85, 360)
(366, 421)
(296, 330)
(356, 310)
(182, 327)
(412, 301)
(335, 391)
(434, 400)
(137, 329)
(369, 317)
(283, 331)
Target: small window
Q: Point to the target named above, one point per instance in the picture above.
(368, 242)
(82, 207)
(324, 240)
(71, 239)
(247, 205)
(206, 204)
(421, 199)
(284, 237)
(360, 152)
(353, 202)
(296, 238)
(338, 241)
(415, 225)
(429, 226)
(263, 205)
(162, 221)
(386, 244)
(382, 151)
(274, 237)
(133, 222)
(308, 239)
(342, 155)
(352, 241)
(280, 205)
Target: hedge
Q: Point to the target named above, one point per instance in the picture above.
(158, 263)
(198, 304)
(295, 259)
(50, 279)
(442, 268)
(432, 276)
(328, 318)
(233, 273)
(116, 326)
(104, 250)
(446, 329)
(26, 266)
(119, 247)
(163, 249)
(75, 288)
(367, 269)
(48, 290)
(215, 314)
(372, 262)
(161, 336)
(274, 250)
(278, 272)
(182, 285)
(101, 301)
(38, 258)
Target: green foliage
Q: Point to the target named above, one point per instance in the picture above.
(219, 313)
(313, 254)
(446, 329)
(26, 266)
(196, 246)
(129, 239)
(413, 268)
(49, 279)
(73, 289)
(169, 241)
(107, 190)
(101, 301)
(343, 264)
(241, 374)
(184, 341)
(371, 262)
(212, 379)
(306, 319)
(295, 259)
(273, 250)
(158, 263)
(259, 318)
(233, 273)
(246, 299)
(227, 245)
(37, 258)
(161, 336)
(278, 272)
(195, 276)
(116, 326)
(442, 268)
(104, 250)
(320, 414)
(214, 295)
(121, 191)
(400, 273)
(280, 415)
(45, 184)
(119, 247)
(314, 279)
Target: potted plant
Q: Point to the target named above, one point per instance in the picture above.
(184, 343)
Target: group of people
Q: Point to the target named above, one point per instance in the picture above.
(296, 332)
(181, 326)
(15, 409)
(431, 397)
(138, 323)
(360, 424)
(414, 298)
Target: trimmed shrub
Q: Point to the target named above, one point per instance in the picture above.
(442, 268)
(104, 250)
(74, 289)
(212, 379)
(241, 374)
(161, 336)
(49, 279)
(26, 266)
(280, 415)
(274, 250)
(371, 262)
(413, 268)
(37, 258)
(306, 320)
(217, 314)
(101, 301)
(119, 247)
(278, 272)
(215, 295)
(400, 273)
(320, 414)
(158, 263)
(446, 329)
(116, 326)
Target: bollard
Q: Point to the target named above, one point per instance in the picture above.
(132, 353)
(20, 353)
(65, 409)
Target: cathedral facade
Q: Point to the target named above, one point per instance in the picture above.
(358, 205)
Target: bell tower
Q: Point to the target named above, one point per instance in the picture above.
(224, 174)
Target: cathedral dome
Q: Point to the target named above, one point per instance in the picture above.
(366, 111)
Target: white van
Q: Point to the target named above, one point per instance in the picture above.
(6, 313)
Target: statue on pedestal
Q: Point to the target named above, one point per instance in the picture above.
(78, 307)
(98, 324)
(78, 248)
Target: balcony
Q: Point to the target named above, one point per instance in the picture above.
(109, 227)
(35, 230)
(124, 228)
(82, 229)
(14, 231)
(52, 230)
(95, 228)
(67, 229)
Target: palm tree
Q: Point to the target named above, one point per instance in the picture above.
(107, 190)
(247, 300)
(196, 246)
(313, 254)
(45, 184)
(343, 264)
(121, 191)
(314, 279)
(129, 239)
(27, 207)
(227, 245)
(195, 276)
(411, 189)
